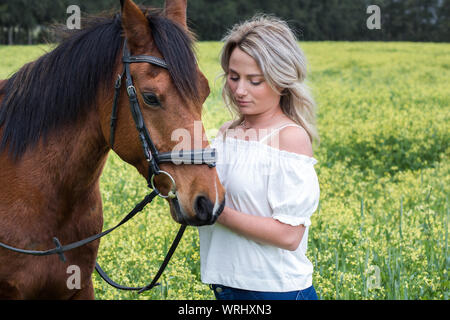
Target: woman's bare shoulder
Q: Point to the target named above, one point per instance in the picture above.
(295, 139)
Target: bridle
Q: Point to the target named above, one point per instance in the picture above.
(153, 157)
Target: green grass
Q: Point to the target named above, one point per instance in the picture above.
(383, 114)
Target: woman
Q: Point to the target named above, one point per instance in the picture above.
(256, 250)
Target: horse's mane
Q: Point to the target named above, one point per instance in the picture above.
(61, 86)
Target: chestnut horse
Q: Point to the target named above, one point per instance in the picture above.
(55, 138)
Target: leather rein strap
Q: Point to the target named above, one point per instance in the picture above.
(59, 250)
(154, 282)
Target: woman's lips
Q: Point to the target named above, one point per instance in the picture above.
(243, 103)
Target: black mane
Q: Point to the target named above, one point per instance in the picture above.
(61, 86)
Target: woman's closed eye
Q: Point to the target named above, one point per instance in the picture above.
(256, 83)
(252, 82)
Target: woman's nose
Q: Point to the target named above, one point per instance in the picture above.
(241, 90)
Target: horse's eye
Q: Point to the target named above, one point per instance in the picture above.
(151, 99)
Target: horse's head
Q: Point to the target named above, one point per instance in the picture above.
(170, 102)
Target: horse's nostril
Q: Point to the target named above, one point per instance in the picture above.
(204, 208)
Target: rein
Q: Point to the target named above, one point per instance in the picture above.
(153, 157)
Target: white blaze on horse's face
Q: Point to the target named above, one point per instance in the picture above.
(217, 204)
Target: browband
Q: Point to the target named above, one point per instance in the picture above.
(149, 59)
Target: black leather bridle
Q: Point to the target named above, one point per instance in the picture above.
(153, 157)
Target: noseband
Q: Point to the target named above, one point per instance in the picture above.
(154, 158)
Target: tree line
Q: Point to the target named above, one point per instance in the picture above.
(29, 21)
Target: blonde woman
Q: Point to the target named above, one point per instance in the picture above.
(257, 248)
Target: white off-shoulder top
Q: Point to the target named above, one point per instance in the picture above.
(264, 181)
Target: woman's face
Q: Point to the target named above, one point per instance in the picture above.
(252, 93)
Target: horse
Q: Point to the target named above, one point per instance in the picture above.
(55, 137)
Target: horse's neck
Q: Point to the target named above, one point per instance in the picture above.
(63, 170)
(79, 154)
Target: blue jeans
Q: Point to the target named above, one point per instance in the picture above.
(226, 293)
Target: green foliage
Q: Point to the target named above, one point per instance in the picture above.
(14, 57)
(383, 114)
(405, 20)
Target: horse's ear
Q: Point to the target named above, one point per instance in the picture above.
(175, 10)
(135, 26)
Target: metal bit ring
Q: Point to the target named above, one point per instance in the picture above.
(172, 192)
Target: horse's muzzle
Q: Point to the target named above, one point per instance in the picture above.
(205, 212)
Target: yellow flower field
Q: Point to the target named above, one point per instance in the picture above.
(381, 230)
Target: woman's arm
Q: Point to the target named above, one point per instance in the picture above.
(262, 229)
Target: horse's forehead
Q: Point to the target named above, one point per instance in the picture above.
(152, 77)
(153, 71)
(158, 80)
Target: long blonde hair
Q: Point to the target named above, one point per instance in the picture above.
(274, 47)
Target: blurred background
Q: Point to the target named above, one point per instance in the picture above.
(27, 21)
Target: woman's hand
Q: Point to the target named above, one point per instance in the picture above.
(262, 229)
